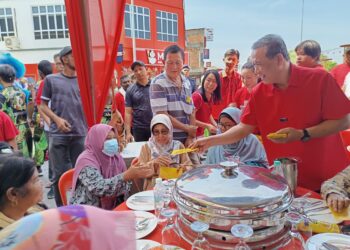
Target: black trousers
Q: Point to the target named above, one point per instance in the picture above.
(141, 134)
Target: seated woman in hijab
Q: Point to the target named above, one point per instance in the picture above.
(20, 187)
(72, 227)
(156, 152)
(100, 177)
(249, 150)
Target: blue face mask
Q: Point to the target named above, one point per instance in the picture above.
(110, 147)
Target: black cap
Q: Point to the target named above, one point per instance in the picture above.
(65, 51)
(186, 67)
(137, 63)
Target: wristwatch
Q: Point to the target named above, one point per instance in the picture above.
(306, 136)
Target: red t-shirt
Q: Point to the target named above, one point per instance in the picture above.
(38, 94)
(339, 72)
(8, 130)
(203, 110)
(229, 87)
(241, 95)
(311, 97)
(119, 104)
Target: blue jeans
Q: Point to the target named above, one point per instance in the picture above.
(64, 152)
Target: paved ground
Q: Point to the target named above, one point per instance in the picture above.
(45, 179)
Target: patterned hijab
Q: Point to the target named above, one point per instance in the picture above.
(93, 156)
(158, 149)
(248, 149)
(72, 227)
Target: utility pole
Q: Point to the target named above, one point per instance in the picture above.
(302, 21)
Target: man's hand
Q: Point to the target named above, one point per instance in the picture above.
(337, 202)
(129, 138)
(63, 125)
(212, 129)
(191, 130)
(292, 135)
(202, 144)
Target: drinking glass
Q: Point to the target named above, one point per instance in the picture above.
(200, 242)
(169, 232)
(295, 219)
(243, 232)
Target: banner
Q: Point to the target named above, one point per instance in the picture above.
(94, 28)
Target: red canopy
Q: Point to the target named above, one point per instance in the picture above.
(94, 27)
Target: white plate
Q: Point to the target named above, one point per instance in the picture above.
(142, 201)
(168, 247)
(324, 215)
(141, 244)
(339, 240)
(152, 224)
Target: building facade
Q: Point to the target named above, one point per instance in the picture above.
(34, 30)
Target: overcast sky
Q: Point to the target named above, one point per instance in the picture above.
(239, 23)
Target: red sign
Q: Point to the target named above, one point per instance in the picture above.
(154, 57)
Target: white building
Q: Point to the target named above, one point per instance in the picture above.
(33, 30)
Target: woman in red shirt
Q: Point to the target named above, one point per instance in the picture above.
(250, 80)
(204, 98)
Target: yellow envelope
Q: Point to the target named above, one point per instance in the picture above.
(322, 227)
(183, 151)
(170, 173)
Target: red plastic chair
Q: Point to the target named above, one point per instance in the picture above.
(65, 184)
(345, 136)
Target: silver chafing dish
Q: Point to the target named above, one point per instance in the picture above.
(224, 195)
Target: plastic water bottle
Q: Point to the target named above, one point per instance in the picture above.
(277, 168)
(206, 132)
(158, 197)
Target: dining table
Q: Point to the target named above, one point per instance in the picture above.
(156, 235)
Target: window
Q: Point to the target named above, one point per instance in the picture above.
(50, 22)
(141, 22)
(167, 26)
(6, 22)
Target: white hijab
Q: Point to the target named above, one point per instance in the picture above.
(158, 149)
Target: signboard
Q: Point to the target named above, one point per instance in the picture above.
(209, 34)
(154, 57)
(120, 53)
(205, 53)
(207, 64)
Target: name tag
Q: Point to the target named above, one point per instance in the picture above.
(188, 99)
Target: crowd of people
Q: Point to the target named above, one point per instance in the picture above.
(229, 114)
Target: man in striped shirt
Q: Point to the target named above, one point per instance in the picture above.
(170, 94)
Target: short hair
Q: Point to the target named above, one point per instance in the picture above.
(123, 77)
(217, 91)
(232, 52)
(248, 65)
(56, 56)
(7, 73)
(274, 44)
(15, 171)
(45, 67)
(173, 49)
(310, 48)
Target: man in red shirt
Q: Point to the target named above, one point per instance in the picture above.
(8, 130)
(340, 71)
(119, 98)
(230, 82)
(303, 105)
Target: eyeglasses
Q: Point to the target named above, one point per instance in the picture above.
(226, 126)
(162, 132)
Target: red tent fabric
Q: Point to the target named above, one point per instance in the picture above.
(94, 27)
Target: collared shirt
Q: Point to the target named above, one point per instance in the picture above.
(166, 97)
(339, 72)
(137, 98)
(229, 87)
(312, 96)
